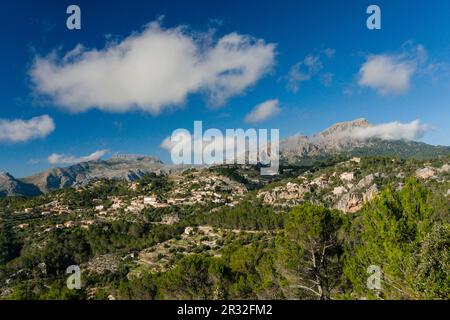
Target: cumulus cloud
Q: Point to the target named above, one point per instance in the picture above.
(152, 70)
(56, 158)
(263, 111)
(386, 74)
(23, 130)
(306, 69)
(390, 131)
(295, 77)
(392, 73)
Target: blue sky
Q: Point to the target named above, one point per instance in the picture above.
(316, 59)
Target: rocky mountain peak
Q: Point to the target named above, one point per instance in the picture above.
(5, 175)
(342, 127)
(127, 158)
(10, 186)
(119, 167)
(341, 138)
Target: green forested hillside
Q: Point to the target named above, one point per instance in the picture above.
(231, 243)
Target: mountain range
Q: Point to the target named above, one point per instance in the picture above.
(10, 186)
(335, 140)
(345, 137)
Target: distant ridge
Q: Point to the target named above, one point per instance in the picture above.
(294, 150)
(122, 167)
(128, 156)
(338, 139)
(9, 186)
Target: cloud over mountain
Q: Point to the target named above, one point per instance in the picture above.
(152, 70)
(56, 158)
(389, 131)
(23, 130)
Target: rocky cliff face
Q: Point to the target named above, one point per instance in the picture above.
(125, 168)
(353, 183)
(9, 186)
(334, 139)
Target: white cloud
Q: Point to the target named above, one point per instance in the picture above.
(386, 74)
(390, 131)
(263, 111)
(392, 73)
(306, 69)
(56, 158)
(152, 70)
(327, 79)
(295, 77)
(24, 130)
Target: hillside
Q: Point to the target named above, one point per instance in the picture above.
(235, 233)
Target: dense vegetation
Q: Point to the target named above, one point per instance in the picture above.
(322, 254)
(306, 252)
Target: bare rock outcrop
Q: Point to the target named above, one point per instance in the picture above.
(291, 193)
(354, 201)
(425, 173)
